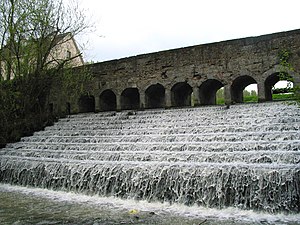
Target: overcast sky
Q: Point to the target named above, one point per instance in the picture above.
(131, 27)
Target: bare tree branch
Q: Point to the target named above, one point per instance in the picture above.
(29, 30)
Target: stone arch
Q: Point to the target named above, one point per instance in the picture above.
(271, 78)
(107, 101)
(86, 103)
(269, 83)
(238, 86)
(181, 94)
(130, 99)
(208, 90)
(155, 96)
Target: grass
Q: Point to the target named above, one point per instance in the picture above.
(251, 98)
(220, 101)
(254, 98)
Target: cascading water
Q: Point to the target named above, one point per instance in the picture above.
(246, 157)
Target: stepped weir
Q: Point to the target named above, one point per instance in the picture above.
(247, 156)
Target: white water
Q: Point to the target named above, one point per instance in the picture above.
(120, 210)
(246, 157)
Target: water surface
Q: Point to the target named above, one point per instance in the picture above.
(22, 206)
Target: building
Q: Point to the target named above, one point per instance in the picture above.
(65, 51)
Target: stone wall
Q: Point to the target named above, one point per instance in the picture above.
(172, 77)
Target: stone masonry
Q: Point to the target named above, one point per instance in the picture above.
(171, 78)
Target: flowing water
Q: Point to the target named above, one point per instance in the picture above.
(185, 166)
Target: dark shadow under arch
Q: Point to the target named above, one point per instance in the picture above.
(130, 99)
(68, 108)
(181, 94)
(51, 108)
(238, 87)
(155, 96)
(208, 90)
(269, 83)
(108, 101)
(86, 104)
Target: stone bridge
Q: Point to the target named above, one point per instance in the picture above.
(192, 75)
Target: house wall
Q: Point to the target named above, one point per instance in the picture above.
(65, 49)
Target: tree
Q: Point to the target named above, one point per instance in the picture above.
(246, 93)
(253, 93)
(29, 31)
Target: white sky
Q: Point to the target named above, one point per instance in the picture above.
(130, 27)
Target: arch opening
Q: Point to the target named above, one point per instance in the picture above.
(238, 86)
(181, 94)
(155, 96)
(278, 89)
(130, 99)
(86, 104)
(108, 101)
(220, 97)
(250, 93)
(208, 91)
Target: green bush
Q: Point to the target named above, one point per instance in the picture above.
(287, 96)
(23, 108)
(251, 98)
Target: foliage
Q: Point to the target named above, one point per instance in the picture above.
(74, 82)
(29, 32)
(22, 111)
(220, 97)
(284, 96)
(247, 93)
(282, 90)
(251, 98)
(285, 66)
(284, 74)
(220, 101)
(220, 93)
(24, 101)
